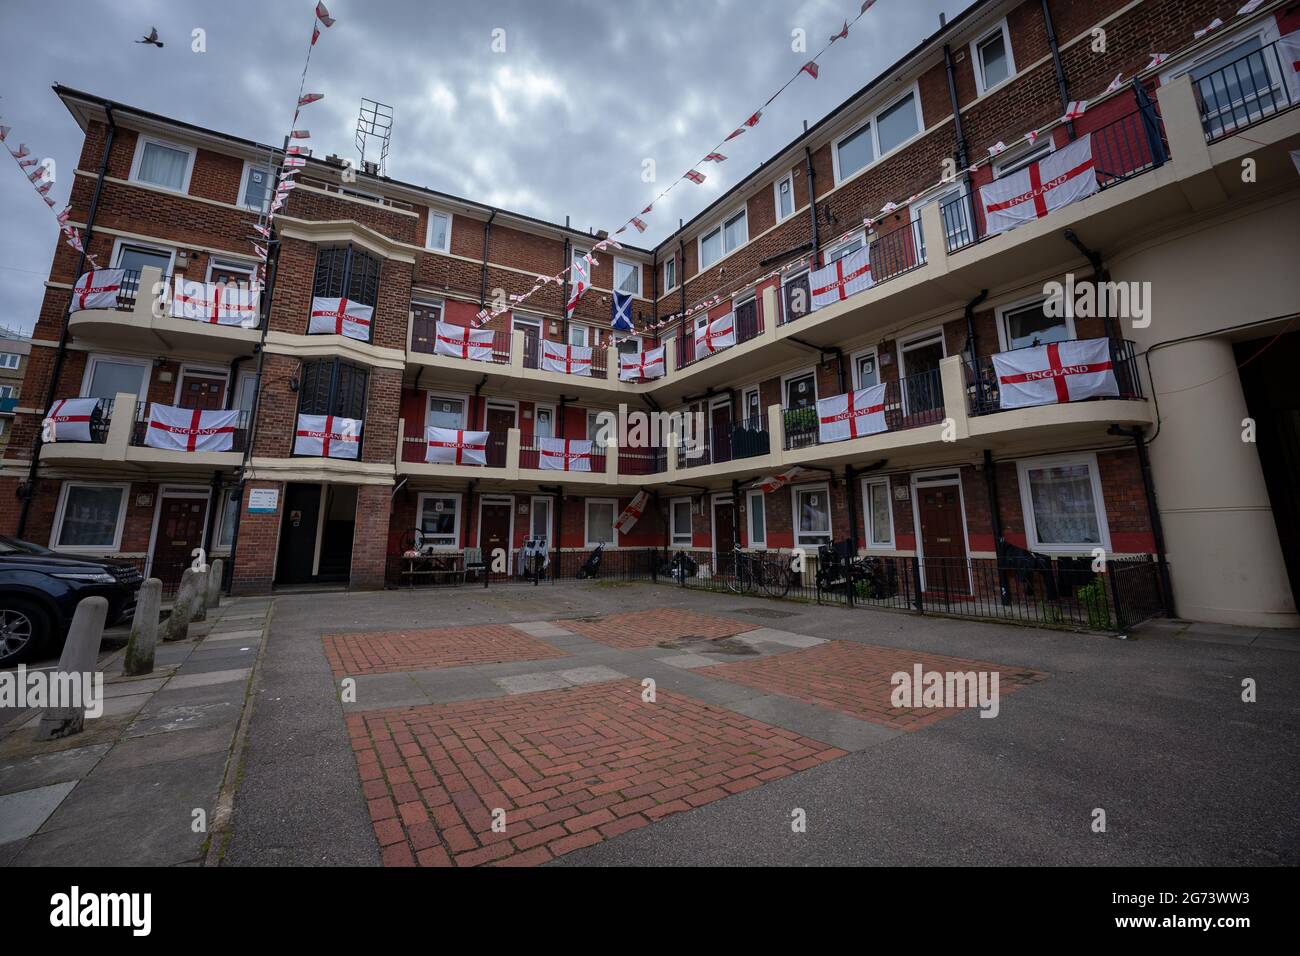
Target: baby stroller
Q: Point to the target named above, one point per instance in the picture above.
(591, 567)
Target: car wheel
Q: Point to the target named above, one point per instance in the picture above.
(24, 628)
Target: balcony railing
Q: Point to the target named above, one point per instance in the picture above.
(529, 456)
(140, 428)
(129, 290)
(424, 339)
(749, 324)
(642, 461)
(897, 252)
(743, 439)
(911, 402)
(533, 357)
(413, 450)
(1246, 91)
(985, 396)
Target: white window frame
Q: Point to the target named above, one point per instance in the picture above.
(6, 356)
(918, 339)
(223, 505)
(588, 335)
(419, 517)
(776, 196)
(538, 406)
(914, 90)
(863, 353)
(670, 283)
(673, 533)
(636, 271)
(201, 371)
(830, 254)
(977, 64)
(120, 244)
(230, 265)
(958, 190)
(428, 230)
(88, 374)
(1000, 313)
(431, 397)
(1027, 503)
(720, 227)
(1020, 158)
(249, 166)
(871, 543)
(798, 373)
(140, 142)
(795, 491)
(586, 521)
(57, 528)
(550, 517)
(745, 393)
(750, 498)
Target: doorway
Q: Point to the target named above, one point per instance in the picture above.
(943, 537)
(298, 526)
(724, 533)
(182, 520)
(338, 525)
(499, 420)
(495, 520)
(203, 390)
(720, 430)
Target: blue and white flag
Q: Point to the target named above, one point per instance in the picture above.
(621, 312)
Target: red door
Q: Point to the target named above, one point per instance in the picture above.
(499, 423)
(180, 531)
(943, 539)
(720, 432)
(200, 391)
(494, 533)
(724, 533)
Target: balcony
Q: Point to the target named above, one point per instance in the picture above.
(748, 321)
(424, 340)
(414, 449)
(1247, 91)
(140, 427)
(140, 321)
(599, 366)
(912, 402)
(736, 441)
(984, 396)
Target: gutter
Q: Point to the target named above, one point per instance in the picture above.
(1062, 88)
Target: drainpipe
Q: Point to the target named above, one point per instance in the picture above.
(681, 287)
(971, 306)
(654, 292)
(995, 523)
(487, 238)
(61, 351)
(1061, 88)
(564, 301)
(963, 160)
(1153, 511)
(850, 495)
(1099, 274)
(812, 200)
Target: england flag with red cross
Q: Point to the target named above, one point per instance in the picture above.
(191, 429)
(215, 304)
(69, 419)
(340, 317)
(327, 436)
(454, 446)
(641, 364)
(1056, 373)
(97, 290)
(852, 415)
(564, 454)
(716, 336)
(841, 279)
(632, 513)
(460, 341)
(1065, 176)
(567, 359)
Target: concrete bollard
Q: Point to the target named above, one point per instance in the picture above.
(144, 630)
(177, 625)
(214, 582)
(76, 663)
(200, 611)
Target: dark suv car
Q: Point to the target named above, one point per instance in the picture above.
(40, 589)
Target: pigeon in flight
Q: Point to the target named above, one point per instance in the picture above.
(152, 38)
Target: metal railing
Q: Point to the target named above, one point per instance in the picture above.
(911, 402)
(140, 427)
(424, 339)
(897, 252)
(1246, 91)
(414, 448)
(984, 393)
(748, 324)
(642, 461)
(747, 438)
(129, 290)
(533, 356)
(529, 457)
(959, 224)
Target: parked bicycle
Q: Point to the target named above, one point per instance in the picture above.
(750, 570)
(868, 577)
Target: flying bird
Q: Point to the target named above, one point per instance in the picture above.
(152, 38)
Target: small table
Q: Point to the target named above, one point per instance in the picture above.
(441, 564)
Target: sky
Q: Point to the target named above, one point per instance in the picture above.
(559, 123)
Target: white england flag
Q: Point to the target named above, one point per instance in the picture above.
(579, 283)
(69, 419)
(841, 279)
(716, 336)
(632, 513)
(852, 415)
(454, 446)
(97, 290)
(191, 429)
(1060, 372)
(569, 359)
(341, 317)
(644, 363)
(328, 436)
(564, 454)
(1065, 176)
(460, 341)
(213, 303)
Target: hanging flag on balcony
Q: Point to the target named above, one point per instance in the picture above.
(69, 419)
(632, 513)
(340, 317)
(851, 415)
(568, 359)
(460, 341)
(621, 311)
(564, 454)
(327, 436)
(641, 364)
(191, 429)
(579, 283)
(1056, 373)
(774, 483)
(454, 446)
(842, 278)
(97, 290)
(716, 336)
(1065, 176)
(213, 303)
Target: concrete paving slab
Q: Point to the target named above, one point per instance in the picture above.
(243, 634)
(127, 687)
(687, 660)
(829, 726)
(543, 629)
(9, 851)
(28, 773)
(183, 717)
(206, 678)
(25, 812)
(159, 748)
(770, 635)
(122, 706)
(528, 683)
(590, 675)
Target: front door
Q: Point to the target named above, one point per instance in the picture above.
(724, 533)
(181, 522)
(494, 531)
(298, 523)
(499, 422)
(720, 431)
(943, 539)
(202, 391)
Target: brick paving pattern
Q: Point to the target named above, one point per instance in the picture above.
(648, 628)
(382, 652)
(855, 679)
(569, 767)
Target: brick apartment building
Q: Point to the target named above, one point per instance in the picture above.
(1161, 469)
(14, 349)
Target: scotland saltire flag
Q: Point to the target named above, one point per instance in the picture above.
(621, 312)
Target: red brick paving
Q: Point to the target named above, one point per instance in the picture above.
(648, 628)
(855, 679)
(569, 767)
(381, 652)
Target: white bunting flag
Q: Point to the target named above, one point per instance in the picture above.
(97, 289)
(323, 15)
(1057, 180)
(641, 364)
(69, 419)
(839, 280)
(340, 317)
(460, 341)
(566, 359)
(327, 436)
(851, 415)
(632, 513)
(191, 429)
(1074, 109)
(774, 483)
(564, 454)
(715, 336)
(579, 282)
(454, 446)
(1056, 373)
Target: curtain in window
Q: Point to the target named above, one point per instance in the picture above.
(163, 166)
(1064, 510)
(879, 514)
(90, 517)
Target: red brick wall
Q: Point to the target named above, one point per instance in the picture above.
(259, 541)
(370, 537)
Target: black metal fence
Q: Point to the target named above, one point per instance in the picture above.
(747, 438)
(1246, 91)
(910, 402)
(985, 395)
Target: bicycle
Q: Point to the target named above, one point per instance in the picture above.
(750, 570)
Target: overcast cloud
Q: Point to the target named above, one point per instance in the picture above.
(557, 125)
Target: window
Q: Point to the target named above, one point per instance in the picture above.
(896, 124)
(752, 407)
(1239, 81)
(90, 517)
(680, 513)
(812, 505)
(866, 369)
(255, 189)
(581, 271)
(1019, 160)
(134, 258)
(756, 512)
(953, 216)
(246, 391)
(879, 511)
(784, 189)
(540, 524)
(919, 368)
(670, 274)
(8, 391)
(106, 376)
(162, 164)
(332, 387)
(446, 412)
(9, 359)
(226, 523)
(345, 272)
(439, 232)
(711, 248)
(1025, 324)
(627, 277)
(593, 424)
(601, 513)
(992, 57)
(801, 390)
(543, 419)
(855, 151)
(724, 239)
(580, 335)
(1062, 503)
(848, 247)
(440, 520)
